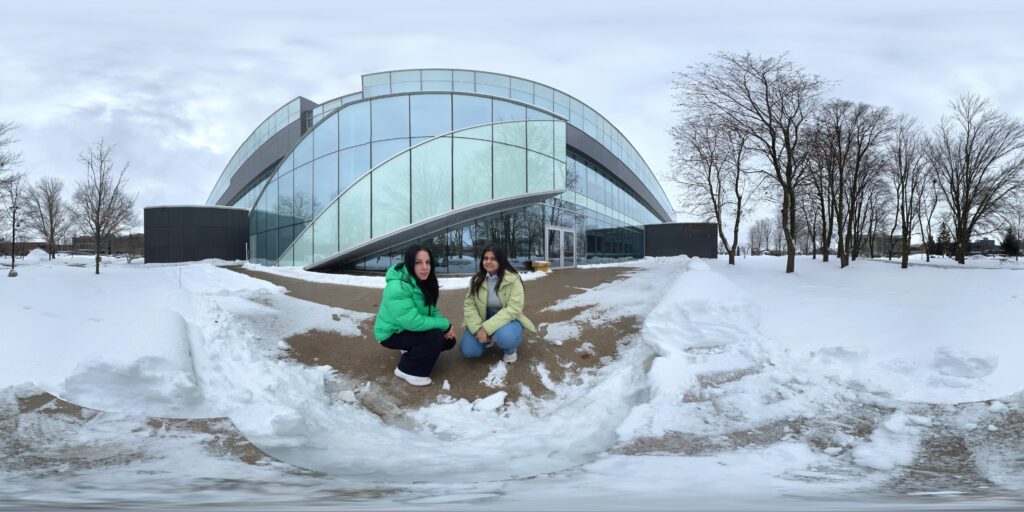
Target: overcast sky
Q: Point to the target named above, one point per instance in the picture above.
(179, 85)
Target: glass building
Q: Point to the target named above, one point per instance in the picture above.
(452, 159)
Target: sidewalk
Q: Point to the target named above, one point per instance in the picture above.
(361, 359)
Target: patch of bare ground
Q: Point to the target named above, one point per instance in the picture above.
(44, 436)
(367, 367)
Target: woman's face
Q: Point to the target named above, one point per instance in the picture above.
(422, 268)
(490, 262)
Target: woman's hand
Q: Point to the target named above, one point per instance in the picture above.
(481, 336)
(450, 335)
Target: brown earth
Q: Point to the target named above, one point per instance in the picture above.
(21, 436)
(361, 360)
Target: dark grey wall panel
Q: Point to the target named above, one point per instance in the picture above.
(268, 154)
(580, 141)
(193, 233)
(697, 239)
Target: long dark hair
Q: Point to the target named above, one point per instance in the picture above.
(503, 266)
(428, 286)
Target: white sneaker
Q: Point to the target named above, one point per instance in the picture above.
(412, 379)
(510, 358)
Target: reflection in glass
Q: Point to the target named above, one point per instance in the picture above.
(470, 111)
(325, 181)
(540, 170)
(355, 125)
(431, 114)
(509, 170)
(381, 151)
(431, 179)
(390, 195)
(540, 137)
(302, 199)
(325, 234)
(325, 137)
(390, 117)
(353, 163)
(472, 172)
(354, 209)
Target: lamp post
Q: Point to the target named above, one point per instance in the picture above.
(14, 227)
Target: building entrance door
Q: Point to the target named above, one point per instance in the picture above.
(560, 247)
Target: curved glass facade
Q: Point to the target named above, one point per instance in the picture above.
(417, 150)
(284, 116)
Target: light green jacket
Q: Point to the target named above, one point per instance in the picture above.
(512, 298)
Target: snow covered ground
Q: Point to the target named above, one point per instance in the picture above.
(746, 388)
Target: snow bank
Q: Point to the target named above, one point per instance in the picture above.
(366, 281)
(35, 256)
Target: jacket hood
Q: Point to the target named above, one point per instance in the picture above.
(397, 272)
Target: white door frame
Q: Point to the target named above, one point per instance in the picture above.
(561, 263)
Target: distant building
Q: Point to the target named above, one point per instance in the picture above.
(134, 243)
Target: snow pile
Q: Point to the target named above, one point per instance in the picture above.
(892, 444)
(35, 256)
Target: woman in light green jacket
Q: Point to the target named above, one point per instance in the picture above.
(494, 308)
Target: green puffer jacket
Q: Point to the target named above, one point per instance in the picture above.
(512, 297)
(404, 308)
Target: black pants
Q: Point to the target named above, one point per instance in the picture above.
(423, 348)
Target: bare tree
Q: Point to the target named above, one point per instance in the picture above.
(48, 214)
(977, 163)
(761, 235)
(9, 159)
(769, 100)
(13, 196)
(929, 201)
(709, 163)
(846, 140)
(907, 168)
(101, 206)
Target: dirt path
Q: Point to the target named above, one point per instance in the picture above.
(362, 360)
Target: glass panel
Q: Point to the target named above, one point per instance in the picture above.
(554, 246)
(480, 132)
(355, 125)
(405, 76)
(509, 170)
(472, 172)
(354, 212)
(540, 137)
(431, 179)
(436, 79)
(489, 83)
(272, 251)
(559, 131)
(390, 118)
(381, 151)
(288, 258)
(353, 163)
(559, 175)
(272, 201)
(541, 172)
(284, 240)
(510, 133)
(261, 248)
(437, 74)
(505, 111)
(325, 181)
(325, 137)
(471, 111)
(304, 151)
(261, 214)
(325, 233)
(536, 115)
(302, 202)
(376, 84)
(431, 114)
(251, 250)
(391, 195)
(303, 247)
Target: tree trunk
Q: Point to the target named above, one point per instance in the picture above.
(97, 247)
(905, 250)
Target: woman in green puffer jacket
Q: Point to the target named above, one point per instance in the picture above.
(408, 318)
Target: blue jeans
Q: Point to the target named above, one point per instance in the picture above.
(507, 338)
